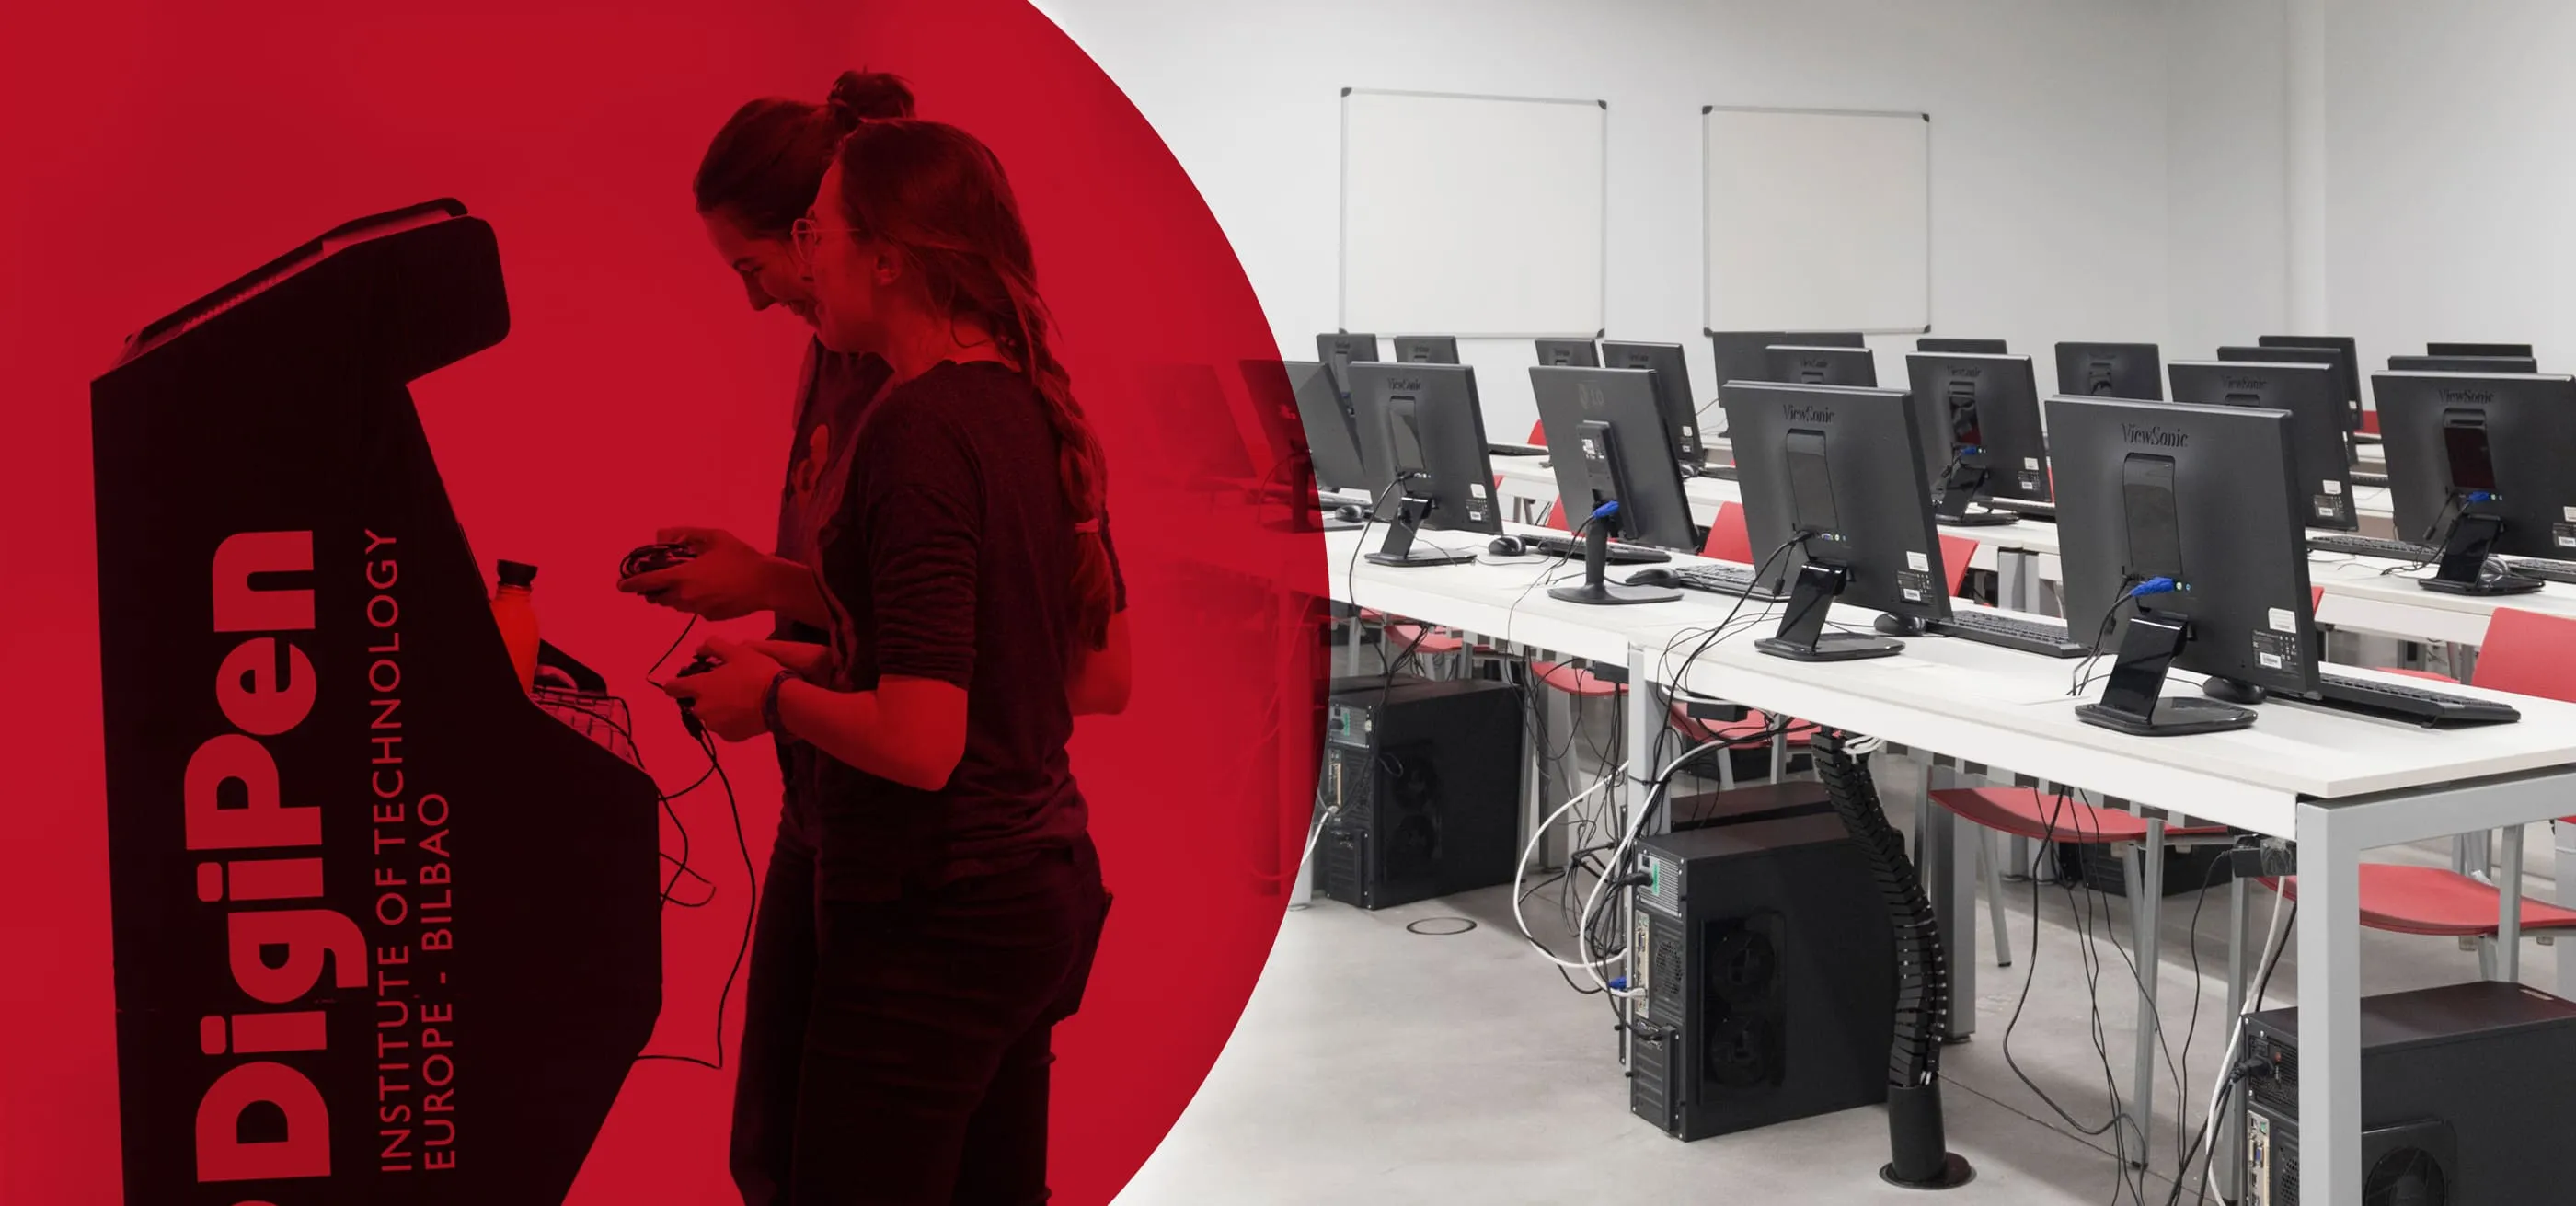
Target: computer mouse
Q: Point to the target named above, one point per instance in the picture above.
(1654, 576)
(1689, 470)
(1349, 513)
(1506, 546)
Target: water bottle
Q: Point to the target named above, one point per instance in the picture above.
(514, 611)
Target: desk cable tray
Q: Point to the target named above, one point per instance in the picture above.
(597, 715)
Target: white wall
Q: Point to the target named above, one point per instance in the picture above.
(2228, 255)
(2049, 189)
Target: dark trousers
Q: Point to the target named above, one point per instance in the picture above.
(897, 1052)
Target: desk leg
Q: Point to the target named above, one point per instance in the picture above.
(2566, 836)
(2509, 908)
(2228, 1151)
(2329, 1011)
(2012, 579)
(2146, 908)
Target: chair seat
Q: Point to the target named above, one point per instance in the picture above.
(1801, 734)
(2024, 812)
(1575, 680)
(1419, 639)
(2436, 901)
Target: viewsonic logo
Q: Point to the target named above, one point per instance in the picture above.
(1806, 412)
(1408, 384)
(2247, 383)
(2159, 435)
(2480, 396)
(1966, 373)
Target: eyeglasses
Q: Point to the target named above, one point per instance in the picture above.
(806, 235)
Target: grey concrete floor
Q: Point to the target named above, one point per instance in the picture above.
(1377, 1065)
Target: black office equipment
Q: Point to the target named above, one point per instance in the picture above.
(1810, 364)
(2183, 541)
(1332, 437)
(274, 534)
(2465, 1095)
(2304, 349)
(2313, 398)
(1605, 438)
(1834, 479)
(1426, 349)
(2463, 364)
(1672, 390)
(1767, 978)
(1339, 349)
(2478, 349)
(1422, 441)
(1723, 580)
(1743, 355)
(1576, 353)
(2043, 637)
(1981, 347)
(1422, 783)
(1979, 417)
(2410, 701)
(1824, 339)
(1618, 553)
(2479, 464)
(2110, 370)
(2406, 551)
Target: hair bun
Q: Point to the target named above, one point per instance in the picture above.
(858, 96)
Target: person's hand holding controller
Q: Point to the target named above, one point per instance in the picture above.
(725, 579)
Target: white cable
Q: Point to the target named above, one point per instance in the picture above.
(1316, 833)
(2273, 932)
(1618, 857)
(1521, 869)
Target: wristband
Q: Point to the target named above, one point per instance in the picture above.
(769, 705)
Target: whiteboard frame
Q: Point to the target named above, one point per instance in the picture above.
(1342, 235)
(1707, 238)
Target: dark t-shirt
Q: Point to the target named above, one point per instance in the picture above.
(835, 390)
(951, 558)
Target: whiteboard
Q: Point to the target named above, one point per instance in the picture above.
(1482, 216)
(1817, 220)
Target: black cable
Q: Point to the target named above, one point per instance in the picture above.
(685, 630)
(751, 914)
(2029, 975)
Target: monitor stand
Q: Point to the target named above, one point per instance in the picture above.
(1596, 588)
(1802, 636)
(1399, 550)
(2462, 568)
(2133, 702)
(1966, 486)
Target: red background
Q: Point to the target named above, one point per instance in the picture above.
(157, 150)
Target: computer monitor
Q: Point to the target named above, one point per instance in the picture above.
(1192, 426)
(2183, 546)
(2314, 399)
(2463, 364)
(2347, 364)
(1422, 446)
(1982, 347)
(2110, 370)
(2479, 464)
(1332, 441)
(1837, 498)
(1605, 436)
(1815, 364)
(1426, 349)
(1978, 415)
(1338, 350)
(2478, 349)
(1743, 355)
(1825, 339)
(1578, 353)
(1672, 390)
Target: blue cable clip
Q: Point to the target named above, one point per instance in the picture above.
(1606, 510)
(1618, 983)
(2480, 496)
(2153, 586)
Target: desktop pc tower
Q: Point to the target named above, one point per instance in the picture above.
(1769, 978)
(1427, 779)
(2436, 1129)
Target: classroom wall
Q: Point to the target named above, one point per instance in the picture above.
(2227, 211)
(2050, 203)
(2449, 175)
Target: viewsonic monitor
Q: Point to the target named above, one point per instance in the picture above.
(1422, 443)
(1672, 390)
(2479, 465)
(2478, 349)
(2463, 364)
(1978, 415)
(1809, 364)
(2110, 370)
(2314, 400)
(1982, 347)
(2347, 363)
(1338, 349)
(1605, 436)
(1426, 349)
(1578, 353)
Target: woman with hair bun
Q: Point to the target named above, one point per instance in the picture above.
(977, 607)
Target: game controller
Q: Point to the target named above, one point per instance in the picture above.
(649, 558)
(688, 715)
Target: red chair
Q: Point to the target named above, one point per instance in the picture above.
(1728, 540)
(2525, 653)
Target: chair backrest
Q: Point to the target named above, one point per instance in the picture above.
(1728, 539)
(1556, 515)
(1955, 552)
(2528, 653)
(1538, 433)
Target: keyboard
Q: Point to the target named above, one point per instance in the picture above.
(1515, 450)
(2364, 477)
(2029, 636)
(1724, 473)
(1620, 554)
(2026, 509)
(1724, 580)
(2372, 546)
(2546, 571)
(2418, 704)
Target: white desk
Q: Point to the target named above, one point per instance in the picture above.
(2337, 784)
(2362, 594)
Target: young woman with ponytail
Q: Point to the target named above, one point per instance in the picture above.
(977, 605)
